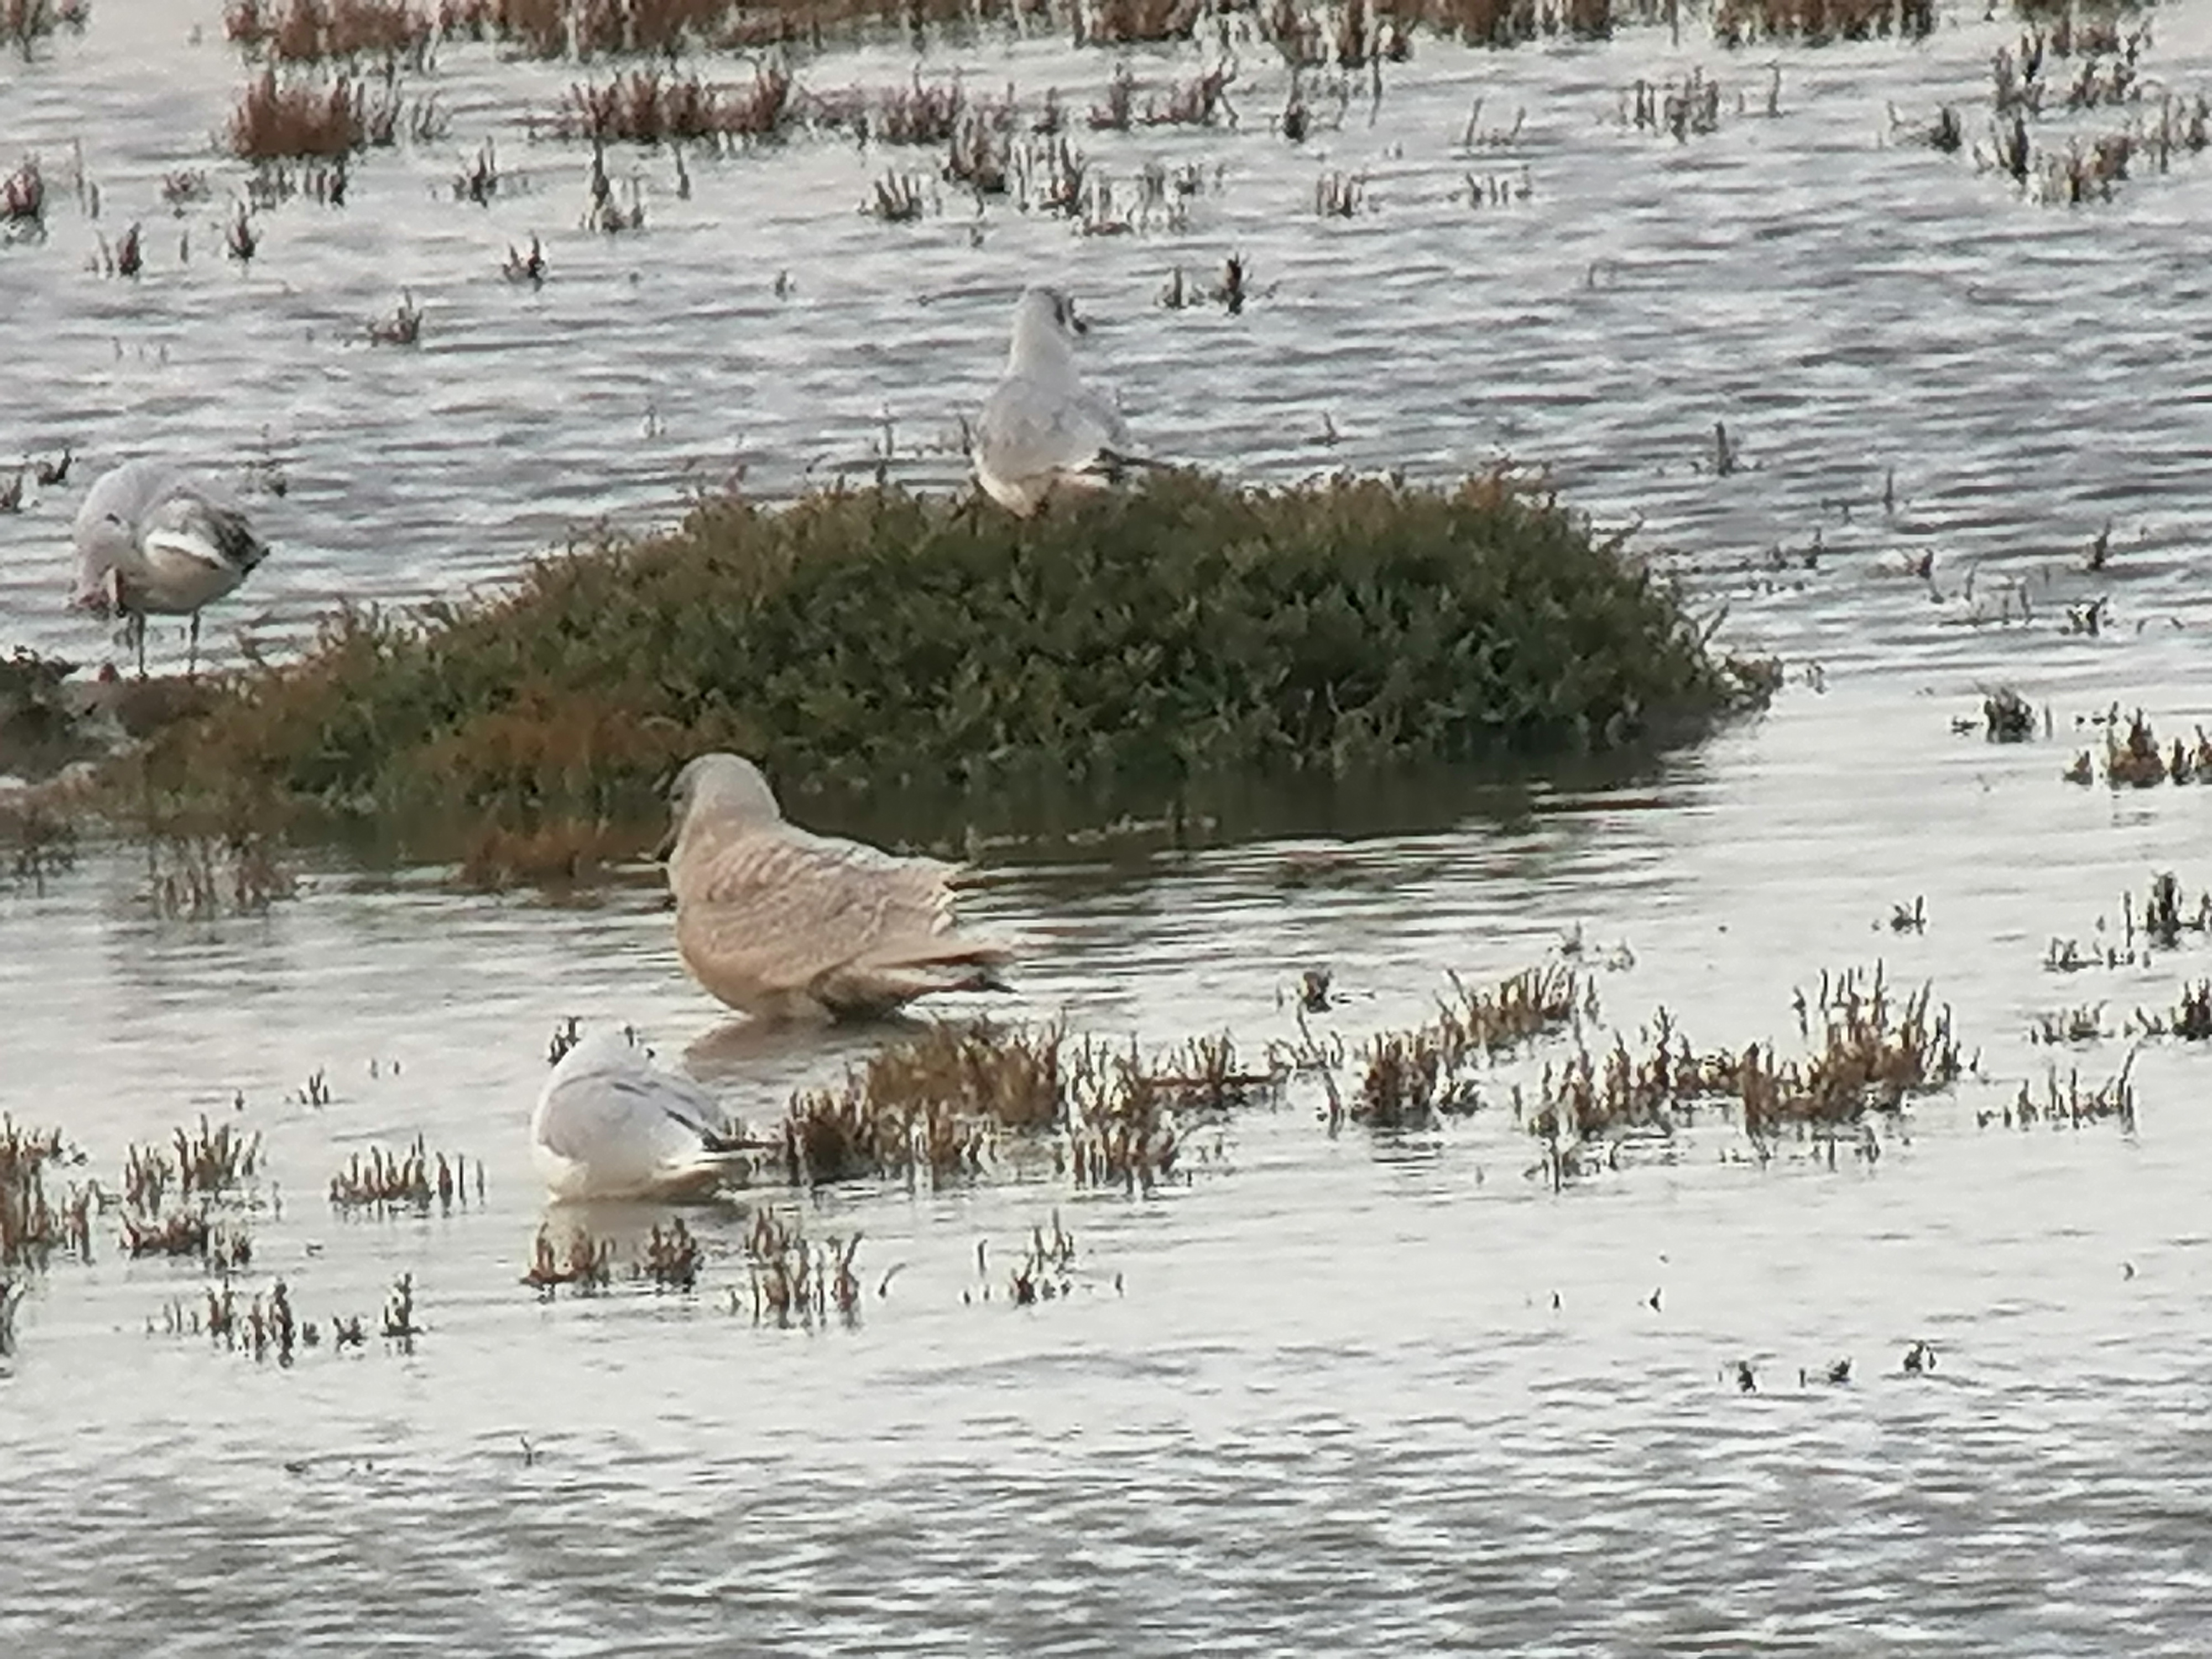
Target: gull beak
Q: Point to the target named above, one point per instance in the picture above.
(665, 848)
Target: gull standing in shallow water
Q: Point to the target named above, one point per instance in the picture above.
(609, 1124)
(151, 541)
(777, 922)
(1042, 429)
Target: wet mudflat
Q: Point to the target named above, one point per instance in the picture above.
(1349, 1391)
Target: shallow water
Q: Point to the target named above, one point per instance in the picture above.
(1350, 1394)
(1332, 1404)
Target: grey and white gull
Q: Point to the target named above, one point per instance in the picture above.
(610, 1124)
(1042, 431)
(151, 541)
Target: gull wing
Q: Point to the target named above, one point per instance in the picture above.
(786, 908)
(1029, 428)
(585, 1114)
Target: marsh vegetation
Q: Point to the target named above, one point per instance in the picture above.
(876, 640)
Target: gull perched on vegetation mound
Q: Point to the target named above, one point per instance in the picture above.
(151, 541)
(610, 1124)
(778, 922)
(1042, 429)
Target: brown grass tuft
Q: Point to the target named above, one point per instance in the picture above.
(796, 1281)
(324, 30)
(278, 119)
(650, 106)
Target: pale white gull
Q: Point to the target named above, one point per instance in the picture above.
(610, 1124)
(1042, 429)
(151, 541)
(775, 920)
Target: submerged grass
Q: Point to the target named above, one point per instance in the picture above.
(877, 640)
(33, 1225)
(938, 1107)
(408, 1181)
(1872, 1054)
(1411, 1079)
(796, 1280)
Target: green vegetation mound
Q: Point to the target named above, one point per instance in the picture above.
(878, 640)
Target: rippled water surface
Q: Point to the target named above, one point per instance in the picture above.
(1334, 1393)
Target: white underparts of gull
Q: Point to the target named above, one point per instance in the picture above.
(152, 542)
(777, 922)
(1042, 429)
(610, 1124)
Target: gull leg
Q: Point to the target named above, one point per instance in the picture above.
(138, 640)
(193, 651)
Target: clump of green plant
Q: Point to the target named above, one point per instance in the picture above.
(875, 640)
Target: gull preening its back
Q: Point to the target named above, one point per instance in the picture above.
(775, 920)
(1042, 429)
(610, 1124)
(151, 541)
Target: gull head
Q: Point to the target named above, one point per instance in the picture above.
(602, 1053)
(1045, 327)
(727, 787)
